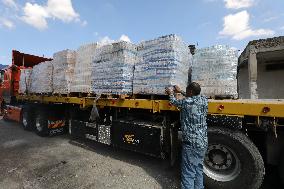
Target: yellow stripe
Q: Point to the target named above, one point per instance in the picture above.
(231, 107)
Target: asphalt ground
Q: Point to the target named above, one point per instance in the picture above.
(28, 161)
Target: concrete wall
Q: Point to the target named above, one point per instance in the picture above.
(254, 80)
(243, 82)
(270, 84)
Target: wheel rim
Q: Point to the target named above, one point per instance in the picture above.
(39, 127)
(221, 163)
(70, 127)
(25, 121)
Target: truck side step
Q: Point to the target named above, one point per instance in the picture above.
(92, 131)
(91, 125)
(91, 137)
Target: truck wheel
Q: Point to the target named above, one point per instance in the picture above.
(281, 168)
(174, 146)
(2, 107)
(41, 124)
(28, 121)
(232, 161)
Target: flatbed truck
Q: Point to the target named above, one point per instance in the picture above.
(244, 135)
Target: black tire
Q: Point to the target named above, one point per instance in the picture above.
(281, 168)
(76, 114)
(73, 115)
(72, 131)
(28, 118)
(41, 123)
(232, 161)
(174, 151)
(2, 108)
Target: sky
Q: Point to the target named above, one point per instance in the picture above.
(42, 27)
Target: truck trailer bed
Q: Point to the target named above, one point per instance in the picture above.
(239, 107)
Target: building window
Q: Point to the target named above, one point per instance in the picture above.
(275, 67)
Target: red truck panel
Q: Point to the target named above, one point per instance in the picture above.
(10, 86)
(26, 60)
(13, 113)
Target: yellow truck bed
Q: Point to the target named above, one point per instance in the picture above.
(266, 108)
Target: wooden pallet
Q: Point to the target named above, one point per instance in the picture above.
(41, 94)
(150, 96)
(107, 96)
(79, 94)
(60, 95)
(117, 96)
(222, 97)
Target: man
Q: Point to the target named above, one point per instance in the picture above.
(193, 109)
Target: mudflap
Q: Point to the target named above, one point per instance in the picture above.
(56, 127)
(12, 113)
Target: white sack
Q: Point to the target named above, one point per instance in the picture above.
(215, 69)
(82, 72)
(63, 64)
(25, 81)
(41, 78)
(164, 62)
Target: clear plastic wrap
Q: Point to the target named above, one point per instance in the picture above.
(215, 69)
(25, 81)
(163, 62)
(82, 72)
(112, 68)
(63, 71)
(41, 78)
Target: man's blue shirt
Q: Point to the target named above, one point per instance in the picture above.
(193, 112)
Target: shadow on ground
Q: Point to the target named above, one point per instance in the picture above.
(160, 169)
(167, 177)
(35, 162)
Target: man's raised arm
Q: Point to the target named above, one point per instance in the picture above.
(173, 100)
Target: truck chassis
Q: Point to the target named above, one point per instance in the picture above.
(244, 135)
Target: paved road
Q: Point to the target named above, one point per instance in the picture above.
(28, 161)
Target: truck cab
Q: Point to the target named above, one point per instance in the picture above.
(5, 88)
(10, 76)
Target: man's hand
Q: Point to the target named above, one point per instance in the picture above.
(177, 89)
(169, 91)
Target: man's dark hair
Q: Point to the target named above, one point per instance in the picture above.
(194, 88)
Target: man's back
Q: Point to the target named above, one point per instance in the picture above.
(193, 110)
(193, 120)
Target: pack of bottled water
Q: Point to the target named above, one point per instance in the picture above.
(215, 69)
(82, 71)
(163, 62)
(112, 68)
(63, 71)
(41, 78)
(25, 80)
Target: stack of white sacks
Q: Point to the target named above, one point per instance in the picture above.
(124, 68)
(24, 84)
(164, 62)
(112, 69)
(41, 78)
(63, 71)
(82, 71)
(215, 69)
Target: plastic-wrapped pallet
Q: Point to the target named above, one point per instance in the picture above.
(24, 84)
(164, 62)
(112, 71)
(41, 78)
(82, 72)
(215, 69)
(63, 71)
